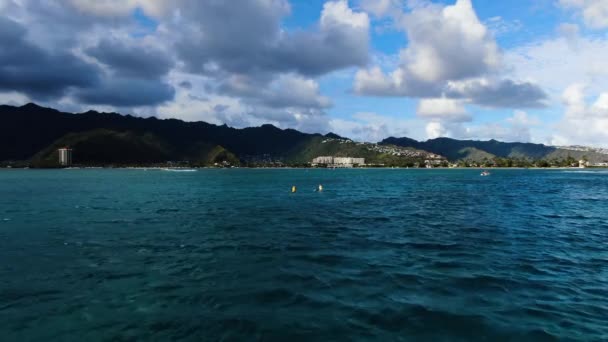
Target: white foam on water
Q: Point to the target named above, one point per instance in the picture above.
(179, 170)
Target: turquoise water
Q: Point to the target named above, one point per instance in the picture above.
(441, 255)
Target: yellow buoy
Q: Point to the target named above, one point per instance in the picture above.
(320, 187)
(293, 189)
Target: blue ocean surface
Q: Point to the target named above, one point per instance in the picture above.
(231, 254)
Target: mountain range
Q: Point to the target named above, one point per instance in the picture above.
(31, 134)
(474, 150)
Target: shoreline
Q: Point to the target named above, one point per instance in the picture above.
(161, 168)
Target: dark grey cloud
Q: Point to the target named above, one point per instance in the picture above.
(220, 108)
(38, 73)
(321, 52)
(307, 120)
(374, 82)
(248, 38)
(57, 24)
(502, 94)
(185, 85)
(134, 60)
(126, 92)
(238, 38)
(105, 56)
(198, 98)
(285, 91)
(134, 77)
(450, 53)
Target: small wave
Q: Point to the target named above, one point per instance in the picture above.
(273, 295)
(485, 282)
(16, 294)
(325, 259)
(6, 219)
(447, 265)
(120, 275)
(179, 170)
(433, 246)
(110, 221)
(418, 316)
(167, 210)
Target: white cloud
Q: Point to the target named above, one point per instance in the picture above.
(13, 98)
(442, 109)
(436, 129)
(585, 119)
(518, 128)
(601, 105)
(4, 4)
(496, 93)
(291, 90)
(380, 8)
(569, 30)
(557, 63)
(573, 68)
(574, 100)
(284, 91)
(337, 13)
(500, 26)
(290, 102)
(594, 12)
(374, 82)
(113, 8)
(245, 74)
(578, 108)
(521, 118)
(373, 127)
(446, 45)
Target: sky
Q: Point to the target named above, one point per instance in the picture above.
(519, 70)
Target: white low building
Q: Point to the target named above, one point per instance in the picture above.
(323, 160)
(338, 161)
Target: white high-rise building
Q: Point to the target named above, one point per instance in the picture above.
(65, 156)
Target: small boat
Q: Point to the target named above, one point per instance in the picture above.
(485, 173)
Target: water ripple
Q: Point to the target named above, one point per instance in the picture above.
(232, 255)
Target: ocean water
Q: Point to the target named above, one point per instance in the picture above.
(383, 255)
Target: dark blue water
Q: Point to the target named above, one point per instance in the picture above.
(441, 255)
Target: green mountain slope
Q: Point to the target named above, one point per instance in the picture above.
(26, 130)
(106, 147)
(474, 154)
(31, 134)
(373, 153)
(473, 150)
(110, 138)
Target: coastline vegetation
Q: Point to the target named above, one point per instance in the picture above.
(227, 161)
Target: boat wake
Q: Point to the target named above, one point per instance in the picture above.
(179, 170)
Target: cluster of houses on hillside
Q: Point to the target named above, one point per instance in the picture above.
(392, 150)
(405, 152)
